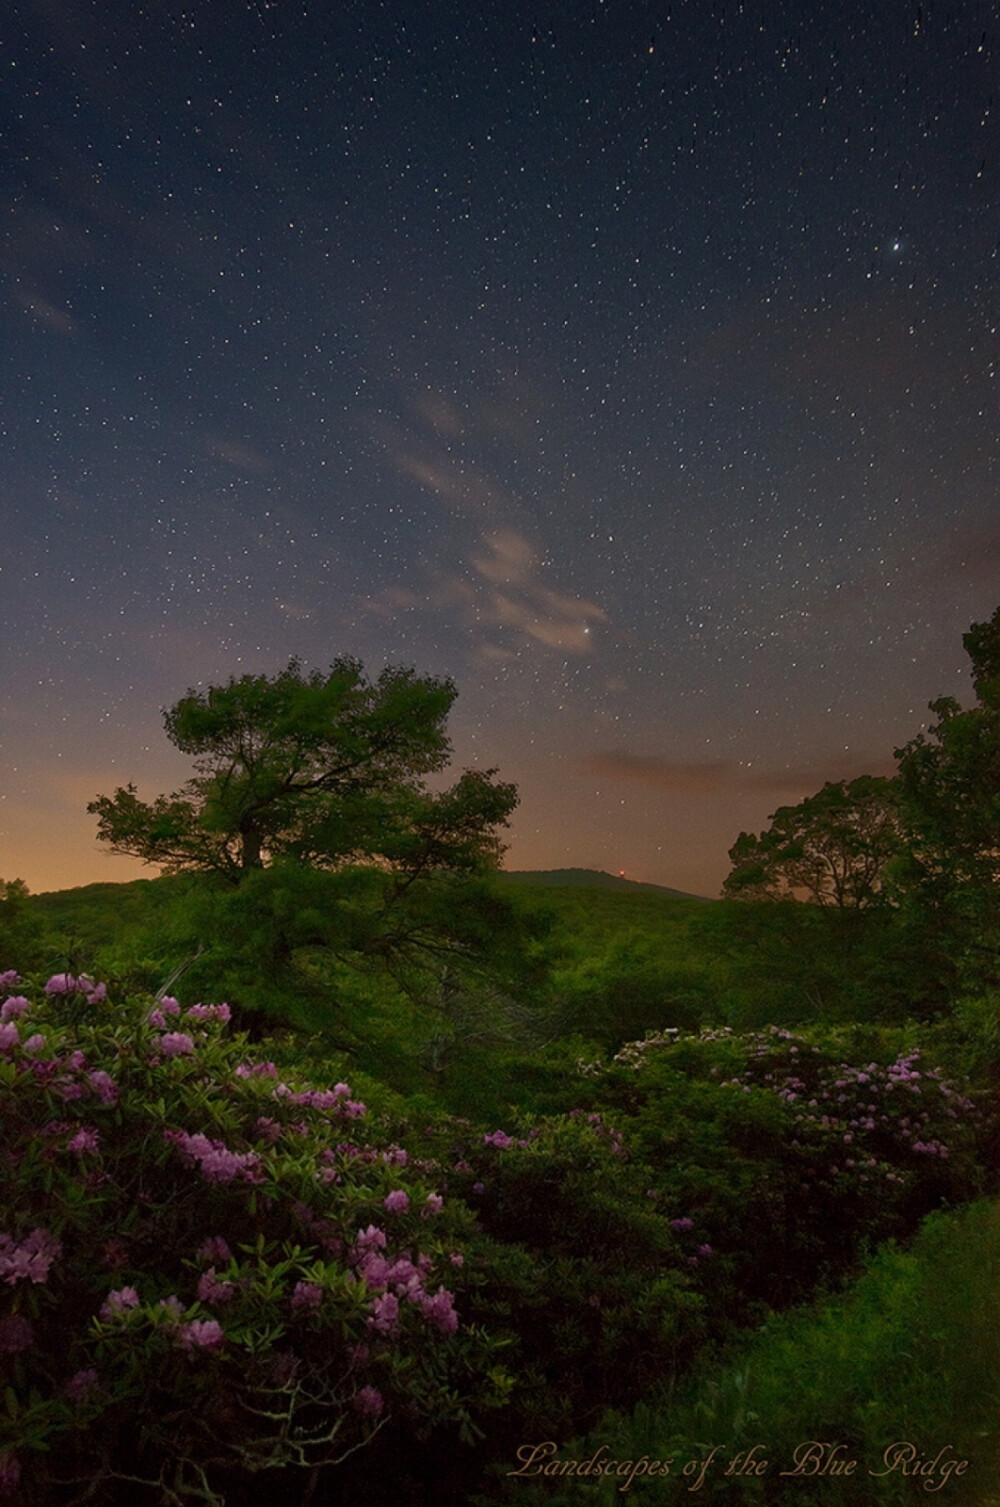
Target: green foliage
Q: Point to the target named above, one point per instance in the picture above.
(783, 963)
(910, 1355)
(622, 961)
(22, 933)
(586, 1274)
(833, 848)
(949, 781)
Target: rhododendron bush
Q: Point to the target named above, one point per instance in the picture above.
(207, 1272)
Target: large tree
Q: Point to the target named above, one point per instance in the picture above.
(949, 780)
(319, 846)
(833, 848)
(328, 769)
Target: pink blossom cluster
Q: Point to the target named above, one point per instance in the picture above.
(201, 1334)
(14, 1006)
(368, 1401)
(176, 1044)
(65, 983)
(28, 1259)
(215, 1248)
(167, 1006)
(328, 1098)
(400, 1280)
(119, 1302)
(212, 1289)
(81, 1384)
(209, 1012)
(217, 1163)
(307, 1297)
(256, 1070)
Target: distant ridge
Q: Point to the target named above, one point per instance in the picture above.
(593, 879)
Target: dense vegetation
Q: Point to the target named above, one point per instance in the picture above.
(476, 1174)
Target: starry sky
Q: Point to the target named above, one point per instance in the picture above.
(630, 363)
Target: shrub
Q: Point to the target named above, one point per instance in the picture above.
(208, 1274)
(585, 1274)
(791, 1152)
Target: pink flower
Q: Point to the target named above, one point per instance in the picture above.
(169, 1005)
(368, 1401)
(31, 1259)
(96, 993)
(307, 1295)
(386, 1312)
(61, 983)
(157, 1019)
(176, 1044)
(370, 1239)
(13, 1007)
(34, 1043)
(9, 1035)
(214, 1249)
(15, 1333)
(80, 1385)
(499, 1139)
(440, 1310)
(209, 1012)
(104, 1086)
(218, 1164)
(9, 977)
(256, 1070)
(682, 1224)
(456, 1258)
(397, 1202)
(119, 1302)
(85, 1139)
(375, 1269)
(201, 1334)
(211, 1290)
(434, 1203)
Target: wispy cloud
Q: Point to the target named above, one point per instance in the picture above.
(711, 778)
(46, 313)
(237, 453)
(502, 594)
(497, 583)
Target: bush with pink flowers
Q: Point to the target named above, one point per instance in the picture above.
(207, 1274)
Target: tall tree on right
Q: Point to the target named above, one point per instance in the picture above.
(832, 849)
(949, 792)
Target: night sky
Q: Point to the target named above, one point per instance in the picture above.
(630, 363)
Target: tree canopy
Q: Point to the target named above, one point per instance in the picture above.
(327, 769)
(949, 782)
(833, 848)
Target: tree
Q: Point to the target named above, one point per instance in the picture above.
(949, 783)
(833, 848)
(323, 769)
(315, 845)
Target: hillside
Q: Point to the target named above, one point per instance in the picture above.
(591, 879)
